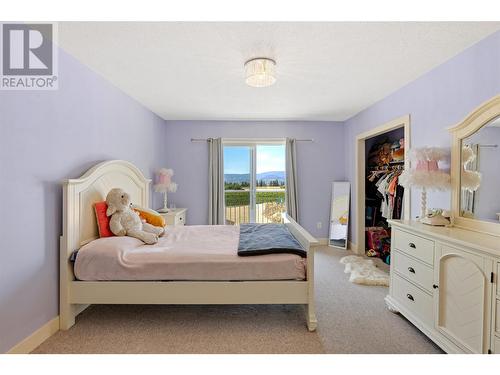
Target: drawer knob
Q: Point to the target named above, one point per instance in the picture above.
(410, 297)
(411, 269)
(412, 245)
(435, 286)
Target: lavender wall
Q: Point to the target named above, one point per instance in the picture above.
(319, 163)
(45, 137)
(435, 101)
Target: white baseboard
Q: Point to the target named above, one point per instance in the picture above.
(36, 338)
(350, 245)
(322, 242)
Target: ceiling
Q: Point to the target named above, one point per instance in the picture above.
(326, 71)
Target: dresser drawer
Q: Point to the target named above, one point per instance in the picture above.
(180, 219)
(413, 270)
(418, 247)
(414, 299)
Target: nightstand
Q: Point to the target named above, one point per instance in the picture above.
(175, 216)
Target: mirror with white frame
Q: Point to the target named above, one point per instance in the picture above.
(339, 215)
(475, 157)
(479, 176)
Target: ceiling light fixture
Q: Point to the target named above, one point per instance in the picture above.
(260, 72)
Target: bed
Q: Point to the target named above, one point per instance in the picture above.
(189, 265)
(184, 253)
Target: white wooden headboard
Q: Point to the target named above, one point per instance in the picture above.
(80, 194)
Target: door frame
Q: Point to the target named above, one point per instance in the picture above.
(360, 155)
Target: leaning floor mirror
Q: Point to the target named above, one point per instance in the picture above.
(339, 214)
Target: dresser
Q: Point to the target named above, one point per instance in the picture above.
(444, 281)
(175, 216)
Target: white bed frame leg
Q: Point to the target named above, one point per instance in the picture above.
(67, 311)
(67, 316)
(312, 322)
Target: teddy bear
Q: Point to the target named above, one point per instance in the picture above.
(126, 222)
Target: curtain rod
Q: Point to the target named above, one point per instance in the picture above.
(253, 139)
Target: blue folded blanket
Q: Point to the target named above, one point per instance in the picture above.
(259, 239)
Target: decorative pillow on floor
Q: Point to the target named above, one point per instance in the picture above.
(102, 219)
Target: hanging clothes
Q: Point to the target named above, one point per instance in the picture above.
(390, 193)
(398, 203)
(383, 195)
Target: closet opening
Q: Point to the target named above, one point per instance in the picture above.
(382, 155)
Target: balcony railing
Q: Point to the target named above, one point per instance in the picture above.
(270, 203)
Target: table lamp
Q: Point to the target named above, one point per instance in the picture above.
(163, 185)
(426, 174)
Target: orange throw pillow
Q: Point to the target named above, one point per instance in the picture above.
(150, 216)
(102, 220)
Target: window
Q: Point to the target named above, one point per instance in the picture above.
(254, 181)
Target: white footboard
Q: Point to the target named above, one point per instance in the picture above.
(307, 241)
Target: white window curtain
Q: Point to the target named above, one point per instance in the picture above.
(215, 182)
(292, 200)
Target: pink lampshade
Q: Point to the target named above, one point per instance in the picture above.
(427, 165)
(164, 179)
(426, 172)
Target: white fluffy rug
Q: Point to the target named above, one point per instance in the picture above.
(364, 271)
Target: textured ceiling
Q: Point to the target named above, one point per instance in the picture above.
(326, 71)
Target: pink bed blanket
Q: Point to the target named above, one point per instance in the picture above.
(195, 252)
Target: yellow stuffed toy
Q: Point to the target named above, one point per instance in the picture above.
(150, 216)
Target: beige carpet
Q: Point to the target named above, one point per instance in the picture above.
(351, 319)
